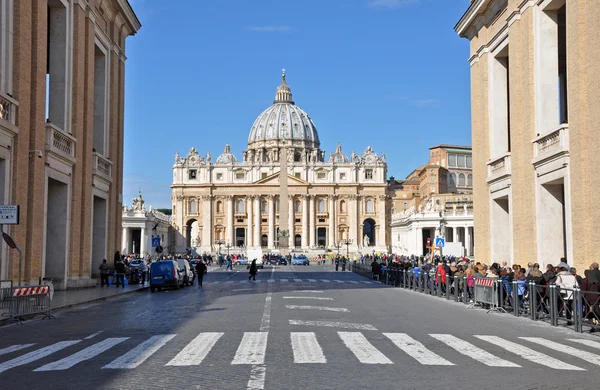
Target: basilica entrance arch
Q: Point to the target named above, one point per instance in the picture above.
(298, 240)
(368, 232)
(264, 241)
(240, 237)
(192, 234)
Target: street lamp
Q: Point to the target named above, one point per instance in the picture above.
(219, 243)
(347, 242)
(337, 246)
(227, 246)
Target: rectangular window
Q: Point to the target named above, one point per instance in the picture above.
(321, 220)
(368, 174)
(219, 176)
(462, 161)
(241, 220)
(58, 52)
(342, 176)
(100, 89)
(297, 174)
(192, 174)
(469, 162)
(263, 175)
(321, 175)
(500, 104)
(240, 175)
(264, 220)
(452, 160)
(297, 220)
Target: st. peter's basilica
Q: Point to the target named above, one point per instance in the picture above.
(332, 198)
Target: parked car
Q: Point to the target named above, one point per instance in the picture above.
(186, 269)
(135, 263)
(165, 274)
(241, 262)
(259, 263)
(300, 260)
(276, 260)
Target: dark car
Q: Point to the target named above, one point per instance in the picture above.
(276, 260)
(186, 270)
(165, 274)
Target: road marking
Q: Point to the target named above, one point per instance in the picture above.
(364, 351)
(366, 281)
(529, 354)
(139, 354)
(306, 348)
(298, 280)
(416, 350)
(283, 280)
(472, 351)
(83, 355)
(216, 282)
(271, 281)
(312, 280)
(589, 343)
(93, 335)
(195, 352)
(334, 324)
(339, 281)
(325, 281)
(36, 355)
(229, 282)
(316, 298)
(353, 281)
(252, 348)
(14, 348)
(257, 378)
(310, 291)
(322, 308)
(587, 356)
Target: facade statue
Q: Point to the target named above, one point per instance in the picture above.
(208, 157)
(251, 156)
(259, 156)
(366, 240)
(330, 157)
(176, 157)
(429, 206)
(383, 157)
(192, 151)
(290, 155)
(244, 156)
(354, 157)
(322, 156)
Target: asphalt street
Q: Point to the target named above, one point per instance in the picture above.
(296, 327)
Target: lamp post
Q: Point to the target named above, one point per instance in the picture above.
(347, 242)
(337, 246)
(228, 246)
(219, 243)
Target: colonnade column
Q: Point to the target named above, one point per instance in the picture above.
(143, 240)
(353, 216)
(467, 241)
(381, 240)
(312, 224)
(124, 239)
(419, 232)
(207, 223)
(271, 235)
(230, 235)
(454, 236)
(332, 220)
(291, 240)
(257, 240)
(305, 221)
(249, 216)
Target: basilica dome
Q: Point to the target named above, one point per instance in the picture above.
(284, 120)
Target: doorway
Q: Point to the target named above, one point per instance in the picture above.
(240, 237)
(369, 232)
(56, 233)
(98, 234)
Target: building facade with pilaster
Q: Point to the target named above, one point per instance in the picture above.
(332, 198)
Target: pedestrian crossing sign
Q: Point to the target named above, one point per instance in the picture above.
(439, 242)
(155, 242)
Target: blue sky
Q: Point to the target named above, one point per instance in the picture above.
(391, 74)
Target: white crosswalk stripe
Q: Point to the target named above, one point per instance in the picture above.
(252, 349)
(325, 281)
(306, 348)
(417, 350)
(312, 280)
(195, 352)
(139, 354)
(83, 355)
(589, 343)
(36, 355)
(529, 354)
(315, 298)
(468, 349)
(322, 308)
(587, 356)
(298, 280)
(283, 280)
(364, 351)
(14, 348)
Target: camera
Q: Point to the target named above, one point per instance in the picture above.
(36, 152)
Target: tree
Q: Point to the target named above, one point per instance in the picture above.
(165, 211)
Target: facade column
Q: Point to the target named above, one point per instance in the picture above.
(271, 235)
(207, 227)
(353, 217)
(249, 216)
(143, 243)
(332, 217)
(454, 237)
(257, 241)
(291, 220)
(419, 239)
(305, 222)
(124, 239)
(311, 223)
(382, 218)
(467, 241)
(230, 235)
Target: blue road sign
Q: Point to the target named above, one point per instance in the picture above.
(439, 242)
(155, 242)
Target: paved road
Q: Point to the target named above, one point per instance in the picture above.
(294, 328)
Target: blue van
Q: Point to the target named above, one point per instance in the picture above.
(165, 274)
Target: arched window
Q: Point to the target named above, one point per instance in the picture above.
(342, 206)
(219, 207)
(461, 180)
(321, 206)
(264, 207)
(470, 180)
(369, 206)
(192, 206)
(298, 207)
(239, 206)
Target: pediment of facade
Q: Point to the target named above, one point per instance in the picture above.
(274, 180)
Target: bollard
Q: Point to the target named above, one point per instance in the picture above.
(426, 283)
(448, 287)
(532, 301)
(553, 303)
(438, 284)
(515, 297)
(577, 310)
(465, 290)
(456, 284)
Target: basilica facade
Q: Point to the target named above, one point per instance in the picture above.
(334, 201)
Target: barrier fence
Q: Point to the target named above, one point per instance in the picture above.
(568, 307)
(25, 300)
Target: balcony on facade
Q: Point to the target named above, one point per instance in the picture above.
(59, 144)
(552, 148)
(8, 109)
(499, 173)
(102, 167)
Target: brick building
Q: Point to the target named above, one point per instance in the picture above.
(61, 134)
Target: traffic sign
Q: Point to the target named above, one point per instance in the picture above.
(9, 214)
(439, 242)
(9, 241)
(155, 242)
(428, 241)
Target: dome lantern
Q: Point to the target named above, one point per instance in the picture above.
(284, 92)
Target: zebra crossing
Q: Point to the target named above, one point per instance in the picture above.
(289, 281)
(306, 348)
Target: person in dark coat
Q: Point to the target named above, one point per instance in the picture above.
(120, 273)
(253, 270)
(200, 271)
(375, 269)
(590, 288)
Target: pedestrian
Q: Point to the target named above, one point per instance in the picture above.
(117, 257)
(143, 272)
(200, 271)
(337, 263)
(120, 273)
(253, 270)
(229, 264)
(343, 263)
(104, 269)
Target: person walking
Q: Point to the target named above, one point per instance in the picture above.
(229, 263)
(200, 271)
(104, 269)
(343, 263)
(120, 273)
(143, 272)
(253, 270)
(337, 263)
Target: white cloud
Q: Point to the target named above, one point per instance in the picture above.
(391, 4)
(426, 102)
(269, 28)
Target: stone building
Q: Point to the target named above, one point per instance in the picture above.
(141, 225)
(535, 88)
(332, 197)
(62, 72)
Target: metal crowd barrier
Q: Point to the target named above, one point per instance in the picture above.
(30, 300)
(6, 296)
